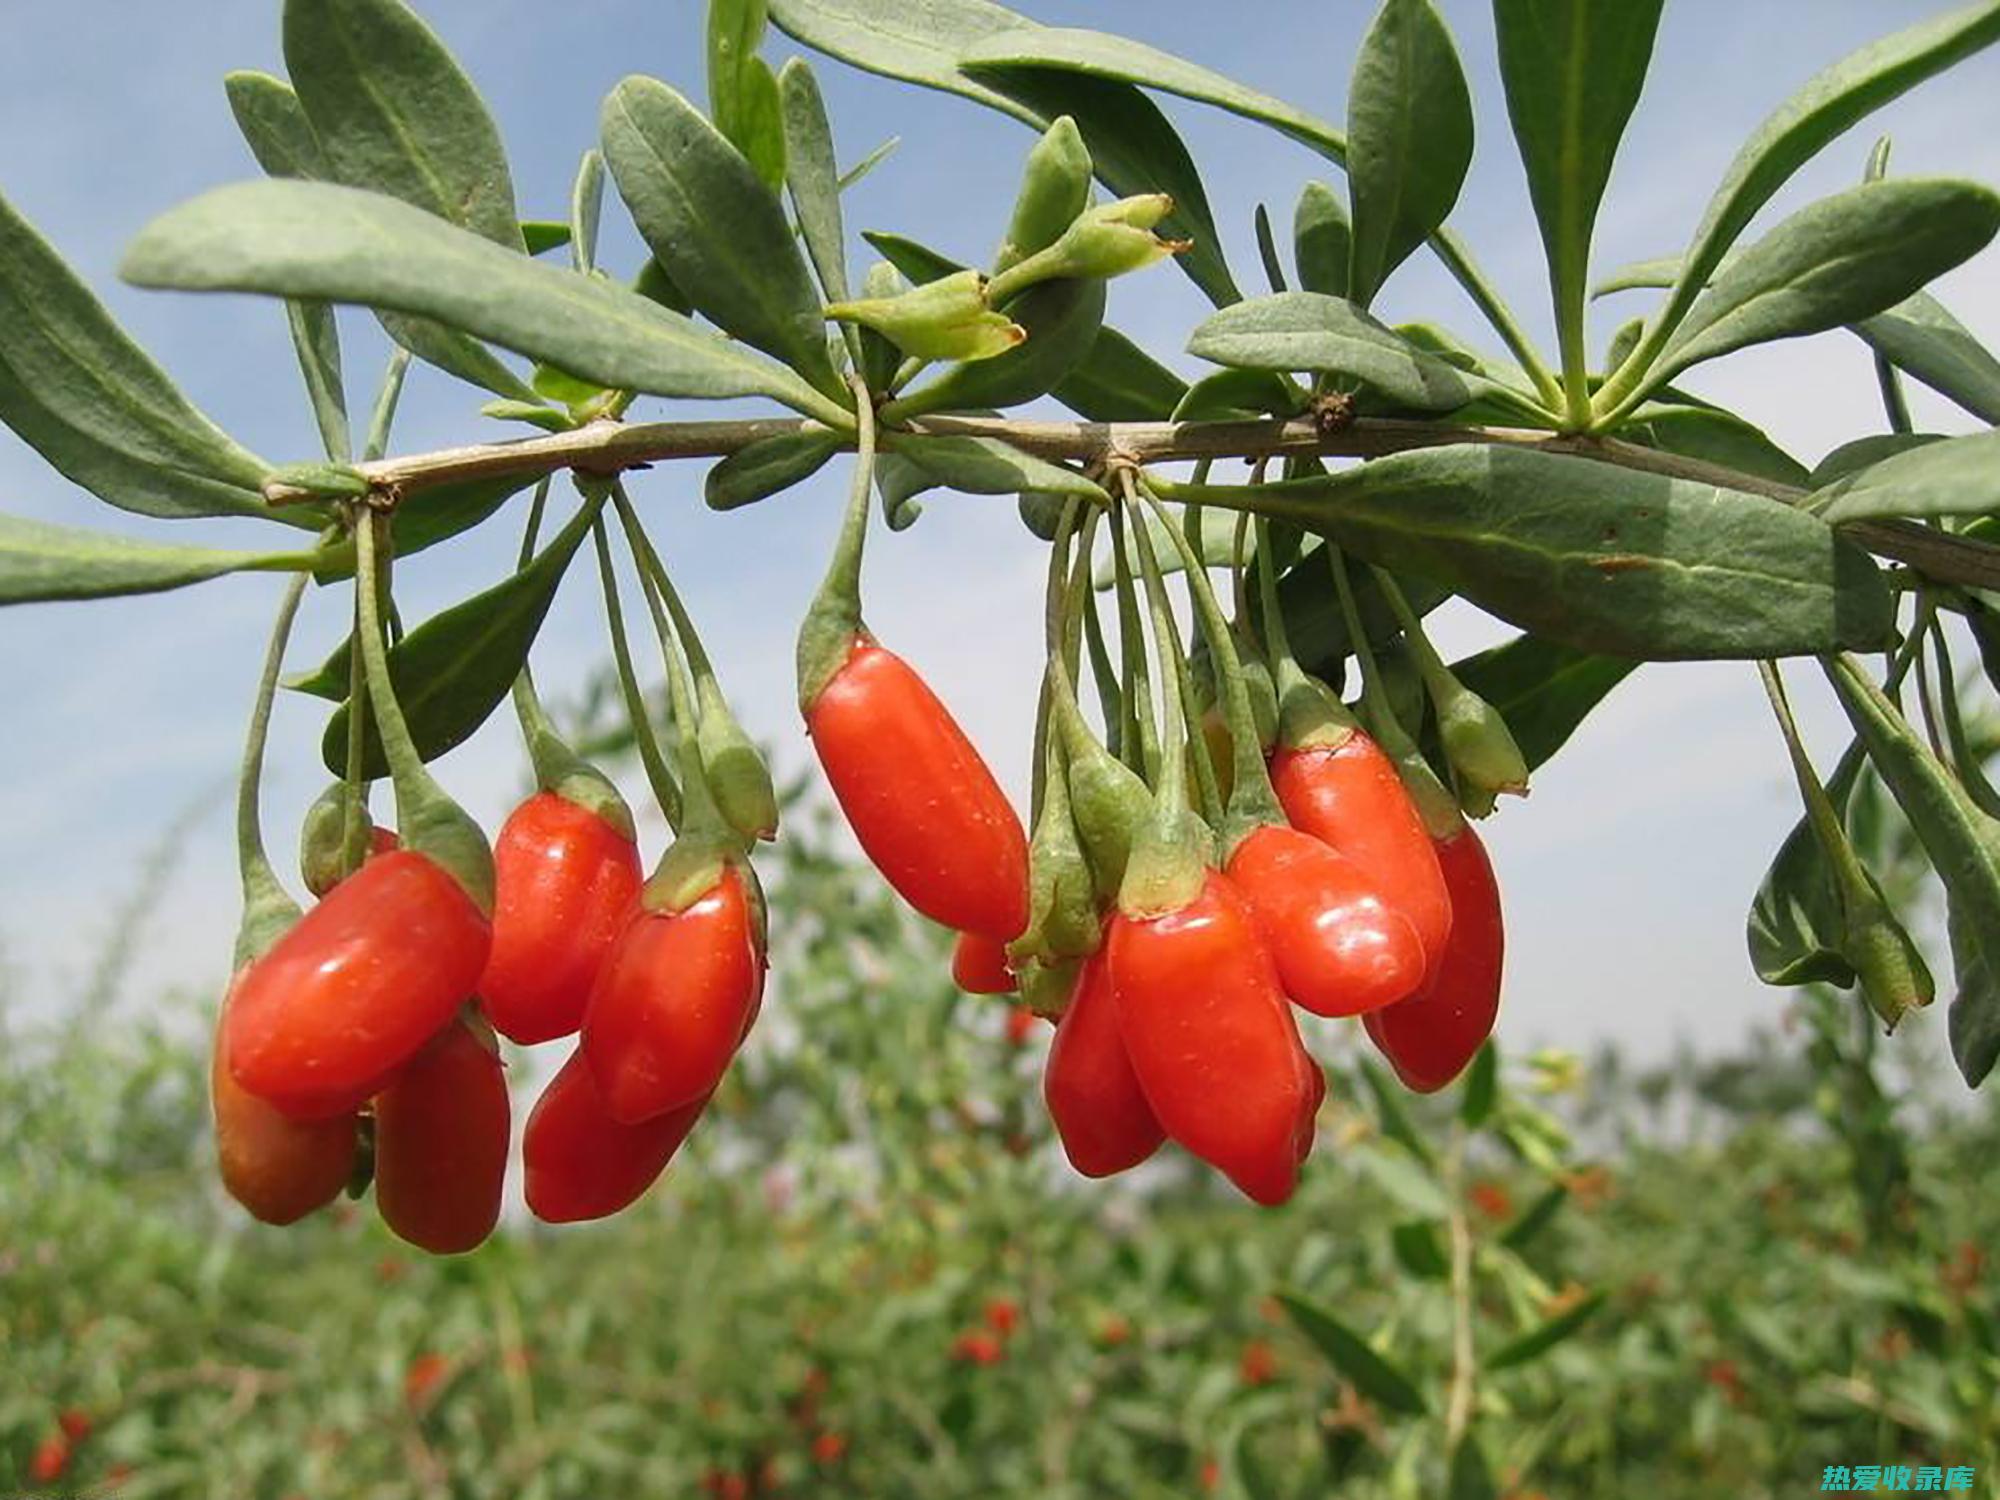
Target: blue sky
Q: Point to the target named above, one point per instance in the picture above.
(1627, 871)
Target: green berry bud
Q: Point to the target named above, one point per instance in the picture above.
(946, 319)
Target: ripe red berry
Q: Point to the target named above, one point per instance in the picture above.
(51, 1460)
(979, 965)
(441, 1138)
(977, 1349)
(580, 1163)
(1003, 1315)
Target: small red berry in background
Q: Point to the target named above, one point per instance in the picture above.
(1113, 1331)
(1021, 1025)
(977, 1349)
(76, 1425)
(1003, 1315)
(1492, 1200)
(829, 1448)
(51, 1459)
(1258, 1364)
(425, 1375)
(1211, 1474)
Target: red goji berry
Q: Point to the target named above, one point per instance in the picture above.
(979, 965)
(356, 988)
(580, 1163)
(922, 802)
(977, 1349)
(76, 1425)
(829, 1448)
(51, 1460)
(1212, 1040)
(441, 1137)
(1003, 1315)
(425, 1374)
(1430, 1037)
(673, 1002)
(279, 1168)
(1100, 1112)
(564, 883)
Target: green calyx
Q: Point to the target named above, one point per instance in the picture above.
(1435, 804)
(947, 319)
(1485, 761)
(334, 838)
(427, 820)
(1055, 188)
(1046, 988)
(1109, 240)
(1063, 919)
(268, 910)
(833, 619)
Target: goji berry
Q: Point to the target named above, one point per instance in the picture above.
(1094, 1097)
(979, 965)
(441, 1138)
(580, 1163)
(279, 1168)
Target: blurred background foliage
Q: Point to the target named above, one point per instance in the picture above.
(872, 1273)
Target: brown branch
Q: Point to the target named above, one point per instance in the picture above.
(609, 447)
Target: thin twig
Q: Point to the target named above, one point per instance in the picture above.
(1464, 1369)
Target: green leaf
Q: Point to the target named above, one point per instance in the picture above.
(1536, 1217)
(80, 393)
(1573, 71)
(1927, 342)
(275, 126)
(1600, 558)
(714, 225)
(1962, 842)
(1119, 382)
(814, 177)
(1062, 319)
(1371, 1374)
(1956, 477)
(1835, 261)
(41, 562)
(1481, 1090)
(1470, 1477)
(766, 467)
(1823, 109)
(452, 671)
(918, 262)
(1542, 689)
(1796, 931)
(1409, 139)
(1404, 1179)
(456, 354)
(1267, 251)
(987, 466)
(1391, 1115)
(742, 93)
(1541, 1339)
(1714, 436)
(1329, 335)
(394, 112)
(1973, 1021)
(1322, 241)
(1418, 1251)
(301, 239)
(540, 236)
(1862, 452)
(586, 210)
(1236, 394)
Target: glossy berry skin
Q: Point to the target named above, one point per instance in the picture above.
(278, 1168)
(582, 1164)
(1211, 1038)
(924, 806)
(351, 992)
(564, 884)
(1430, 1037)
(979, 965)
(1100, 1112)
(1351, 797)
(1341, 949)
(441, 1138)
(675, 997)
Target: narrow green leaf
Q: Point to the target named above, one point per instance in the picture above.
(714, 225)
(743, 96)
(1267, 251)
(1390, 1114)
(1322, 241)
(813, 176)
(1404, 1179)
(987, 466)
(456, 354)
(301, 239)
(586, 210)
(1329, 335)
(1962, 842)
(1543, 690)
(1836, 261)
(1540, 1340)
(1973, 1021)
(1864, 452)
(1470, 1476)
(1603, 559)
(918, 262)
(764, 468)
(1481, 1090)
(540, 236)
(1956, 477)
(316, 337)
(1418, 1251)
(1573, 71)
(1371, 1374)
(1820, 111)
(1536, 1217)
(275, 126)
(394, 112)
(869, 162)
(452, 671)
(41, 562)
(1119, 382)
(1796, 931)
(1409, 139)
(1924, 340)
(80, 393)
